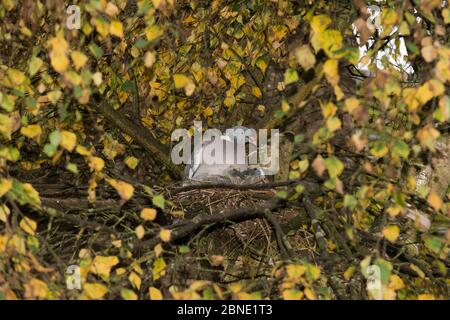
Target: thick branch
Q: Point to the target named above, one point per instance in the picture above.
(312, 186)
(141, 135)
(235, 215)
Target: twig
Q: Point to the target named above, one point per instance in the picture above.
(279, 235)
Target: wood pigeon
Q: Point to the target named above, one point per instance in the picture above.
(236, 171)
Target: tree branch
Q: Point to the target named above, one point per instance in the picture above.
(141, 135)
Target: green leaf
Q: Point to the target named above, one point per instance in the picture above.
(334, 166)
(96, 51)
(433, 243)
(401, 149)
(350, 201)
(290, 76)
(184, 249)
(159, 201)
(129, 86)
(34, 66)
(282, 194)
(351, 54)
(50, 149)
(141, 43)
(55, 138)
(385, 270)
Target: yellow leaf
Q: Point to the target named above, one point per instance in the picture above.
(189, 88)
(164, 234)
(101, 25)
(295, 271)
(148, 214)
(310, 294)
(256, 92)
(330, 68)
(394, 210)
(446, 15)
(430, 89)
(349, 272)
(285, 107)
(120, 271)
(79, 59)
(389, 17)
(208, 112)
(427, 137)
(305, 57)
(351, 105)
(391, 232)
(409, 96)
(125, 190)
(111, 9)
(379, 150)
(395, 282)
(31, 193)
(73, 77)
(32, 131)
(68, 140)
(131, 162)
(153, 32)
(313, 272)
(180, 80)
(4, 213)
(95, 290)
(229, 101)
(83, 151)
(28, 225)
(58, 53)
(139, 231)
(290, 76)
(279, 31)
(435, 201)
(102, 265)
(36, 289)
(135, 280)
(116, 29)
(291, 294)
(5, 185)
(16, 76)
(329, 110)
(128, 294)
(333, 124)
(158, 249)
(261, 63)
(155, 293)
(3, 242)
(426, 296)
(328, 40)
(96, 163)
(117, 243)
(320, 23)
